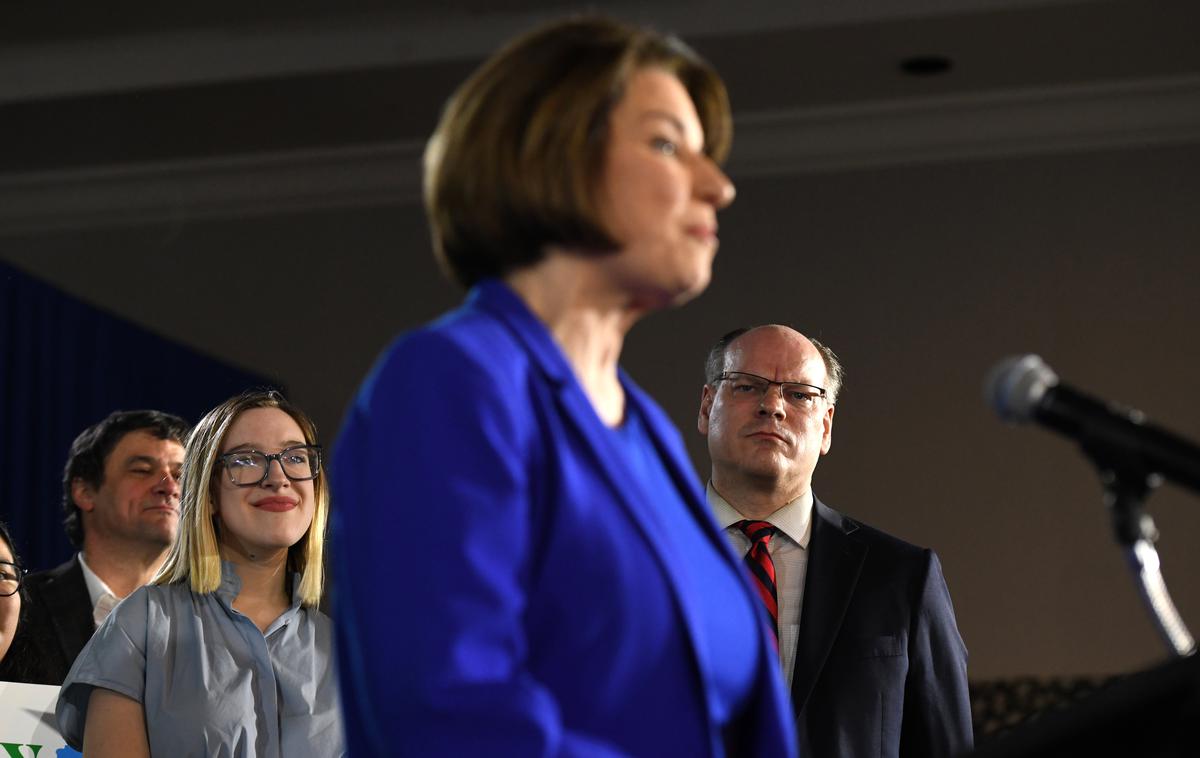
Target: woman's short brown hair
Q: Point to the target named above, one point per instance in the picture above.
(515, 161)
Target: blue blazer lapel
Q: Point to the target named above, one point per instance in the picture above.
(502, 302)
(834, 564)
(679, 467)
(548, 357)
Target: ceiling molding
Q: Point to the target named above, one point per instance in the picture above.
(179, 192)
(858, 136)
(289, 42)
(1030, 121)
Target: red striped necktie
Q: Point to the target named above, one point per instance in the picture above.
(762, 568)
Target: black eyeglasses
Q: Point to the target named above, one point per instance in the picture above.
(11, 577)
(746, 386)
(250, 468)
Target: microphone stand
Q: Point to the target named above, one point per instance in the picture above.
(1126, 487)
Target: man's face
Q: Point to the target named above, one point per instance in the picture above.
(139, 498)
(762, 441)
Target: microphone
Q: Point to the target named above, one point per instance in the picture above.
(1023, 389)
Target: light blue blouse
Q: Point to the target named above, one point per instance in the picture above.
(211, 683)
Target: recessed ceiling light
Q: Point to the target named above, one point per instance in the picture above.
(926, 65)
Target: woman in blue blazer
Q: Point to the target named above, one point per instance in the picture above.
(525, 565)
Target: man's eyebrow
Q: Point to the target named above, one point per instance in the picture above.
(136, 460)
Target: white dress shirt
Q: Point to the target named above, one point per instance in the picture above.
(103, 598)
(789, 552)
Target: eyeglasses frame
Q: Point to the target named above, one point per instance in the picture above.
(223, 458)
(731, 375)
(20, 571)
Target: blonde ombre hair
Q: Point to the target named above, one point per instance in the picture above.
(195, 557)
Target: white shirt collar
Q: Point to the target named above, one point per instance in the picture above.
(95, 585)
(793, 519)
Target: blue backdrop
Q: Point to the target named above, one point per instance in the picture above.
(64, 365)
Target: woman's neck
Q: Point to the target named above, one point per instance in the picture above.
(586, 321)
(264, 579)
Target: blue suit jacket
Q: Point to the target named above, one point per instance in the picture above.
(502, 586)
(880, 667)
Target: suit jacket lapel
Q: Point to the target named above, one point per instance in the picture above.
(544, 353)
(499, 300)
(675, 460)
(835, 560)
(502, 302)
(70, 609)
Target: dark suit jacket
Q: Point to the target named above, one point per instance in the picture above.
(59, 623)
(880, 667)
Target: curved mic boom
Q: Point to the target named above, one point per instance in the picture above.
(1024, 388)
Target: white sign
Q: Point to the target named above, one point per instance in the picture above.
(27, 725)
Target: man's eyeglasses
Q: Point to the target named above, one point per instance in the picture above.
(744, 386)
(250, 468)
(11, 576)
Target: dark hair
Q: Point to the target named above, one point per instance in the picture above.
(835, 374)
(17, 663)
(90, 451)
(517, 156)
(8, 540)
(6, 536)
(714, 364)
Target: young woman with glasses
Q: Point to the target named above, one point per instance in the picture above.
(225, 653)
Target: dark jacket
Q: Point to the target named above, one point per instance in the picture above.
(880, 667)
(57, 626)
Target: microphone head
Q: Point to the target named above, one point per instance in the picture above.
(1016, 385)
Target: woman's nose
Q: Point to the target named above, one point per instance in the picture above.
(712, 185)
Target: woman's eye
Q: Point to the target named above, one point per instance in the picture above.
(664, 146)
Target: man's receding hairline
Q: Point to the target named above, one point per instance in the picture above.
(817, 355)
(729, 345)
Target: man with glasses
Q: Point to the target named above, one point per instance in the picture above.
(121, 499)
(866, 631)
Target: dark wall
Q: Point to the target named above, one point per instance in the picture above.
(64, 366)
(920, 277)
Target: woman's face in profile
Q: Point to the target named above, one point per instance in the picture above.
(10, 606)
(660, 193)
(263, 519)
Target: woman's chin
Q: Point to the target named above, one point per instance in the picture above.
(660, 297)
(692, 288)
